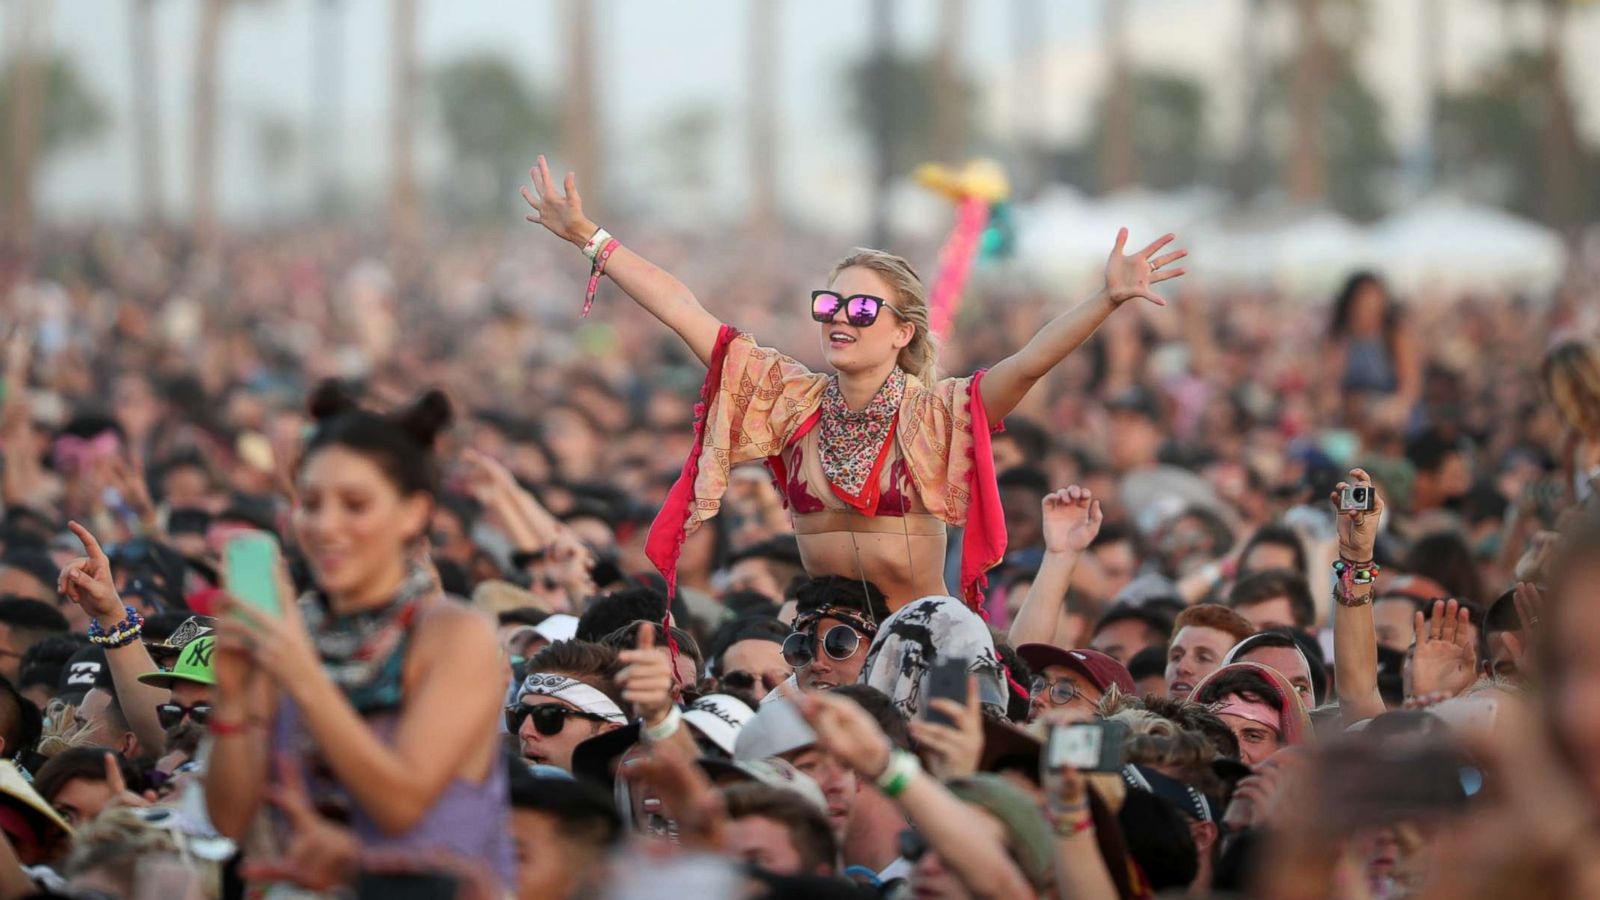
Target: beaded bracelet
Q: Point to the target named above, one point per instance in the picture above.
(1356, 572)
(1352, 574)
(122, 634)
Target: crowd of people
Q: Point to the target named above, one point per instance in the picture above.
(1276, 599)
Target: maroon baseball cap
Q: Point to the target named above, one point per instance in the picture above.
(1100, 669)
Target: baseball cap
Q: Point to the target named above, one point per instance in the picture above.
(720, 717)
(557, 627)
(776, 773)
(1136, 400)
(194, 665)
(777, 728)
(1101, 670)
(80, 674)
(188, 630)
(1031, 843)
(1185, 797)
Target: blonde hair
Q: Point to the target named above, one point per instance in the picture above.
(920, 357)
(1572, 376)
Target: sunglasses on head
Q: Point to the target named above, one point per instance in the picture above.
(800, 648)
(1061, 692)
(860, 310)
(170, 714)
(548, 718)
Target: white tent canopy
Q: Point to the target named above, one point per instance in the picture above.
(1441, 240)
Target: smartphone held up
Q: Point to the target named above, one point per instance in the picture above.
(250, 565)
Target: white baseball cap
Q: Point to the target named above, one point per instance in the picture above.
(557, 627)
(720, 717)
(777, 729)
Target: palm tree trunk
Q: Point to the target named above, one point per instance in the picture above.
(1251, 159)
(764, 15)
(580, 124)
(24, 124)
(146, 110)
(949, 137)
(1308, 165)
(883, 31)
(1118, 167)
(203, 147)
(404, 216)
(1558, 135)
(327, 99)
(1432, 56)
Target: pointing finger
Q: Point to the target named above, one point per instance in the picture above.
(90, 545)
(647, 636)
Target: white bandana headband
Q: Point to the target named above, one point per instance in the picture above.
(570, 690)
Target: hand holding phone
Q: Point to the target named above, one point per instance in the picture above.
(947, 680)
(251, 571)
(1098, 746)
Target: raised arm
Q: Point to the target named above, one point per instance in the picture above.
(663, 296)
(848, 732)
(1355, 643)
(87, 582)
(1071, 521)
(1127, 276)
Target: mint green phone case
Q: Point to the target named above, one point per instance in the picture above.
(252, 569)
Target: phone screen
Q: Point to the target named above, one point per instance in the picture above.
(252, 570)
(948, 679)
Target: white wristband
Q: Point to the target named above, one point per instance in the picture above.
(592, 249)
(655, 734)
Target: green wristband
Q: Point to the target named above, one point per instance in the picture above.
(897, 774)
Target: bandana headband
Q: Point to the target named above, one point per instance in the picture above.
(570, 690)
(1256, 711)
(845, 614)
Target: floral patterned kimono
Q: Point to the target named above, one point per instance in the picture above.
(917, 458)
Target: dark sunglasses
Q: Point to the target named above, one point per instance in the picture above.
(1061, 692)
(800, 648)
(548, 719)
(860, 310)
(912, 845)
(170, 714)
(745, 681)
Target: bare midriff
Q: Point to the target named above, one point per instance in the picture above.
(900, 549)
(905, 567)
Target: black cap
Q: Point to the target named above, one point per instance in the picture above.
(1136, 400)
(83, 671)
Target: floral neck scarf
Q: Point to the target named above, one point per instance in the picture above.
(851, 439)
(364, 653)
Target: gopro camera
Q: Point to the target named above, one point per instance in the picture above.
(1356, 498)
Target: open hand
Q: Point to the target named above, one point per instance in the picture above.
(1135, 275)
(1071, 520)
(560, 211)
(1445, 661)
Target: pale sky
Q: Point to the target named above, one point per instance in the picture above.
(659, 57)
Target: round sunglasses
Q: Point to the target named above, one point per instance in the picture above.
(800, 648)
(548, 719)
(170, 714)
(1061, 692)
(860, 310)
